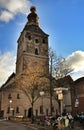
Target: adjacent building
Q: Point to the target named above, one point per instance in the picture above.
(77, 96)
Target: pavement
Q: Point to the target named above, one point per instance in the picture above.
(36, 126)
(77, 126)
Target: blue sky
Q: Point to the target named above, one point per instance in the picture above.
(63, 20)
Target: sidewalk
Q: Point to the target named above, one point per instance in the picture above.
(43, 126)
(37, 126)
(77, 126)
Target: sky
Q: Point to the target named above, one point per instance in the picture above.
(63, 20)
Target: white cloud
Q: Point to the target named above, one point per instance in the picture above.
(9, 8)
(76, 60)
(6, 16)
(7, 66)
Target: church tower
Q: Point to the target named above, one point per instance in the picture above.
(32, 46)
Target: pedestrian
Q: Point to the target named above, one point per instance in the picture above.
(66, 123)
(60, 123)
(71, 120)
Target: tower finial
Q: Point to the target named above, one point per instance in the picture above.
(33, 17)
(33, 9)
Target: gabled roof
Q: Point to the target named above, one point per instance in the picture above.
(63, 82)
(79, 80)
(9, 79)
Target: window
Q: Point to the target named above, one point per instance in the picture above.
(44, 41)
(12, 112)
(9, 96)
(47, 112)
(17, 109)
(41, 109)
(18, 96)
(36, 40)
(29, 37)
(36, 51)
(8, 110)
(36, 112)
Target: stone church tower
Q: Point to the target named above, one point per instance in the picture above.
(32, 46)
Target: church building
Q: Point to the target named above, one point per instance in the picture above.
(32, 54)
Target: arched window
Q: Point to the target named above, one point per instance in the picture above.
(36, 51)
(8, 110)
(29, 37)
(41, 109)
(36, 41)
(17, 109)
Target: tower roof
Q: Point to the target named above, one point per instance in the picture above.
(35, 29)
(33, 24)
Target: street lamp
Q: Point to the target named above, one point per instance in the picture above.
(10, 103)
(59, 92)
(60, 98)
(11, 109)
(42, 94)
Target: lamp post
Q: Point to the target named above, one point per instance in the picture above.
(10, 103)
(60, 98)
(42, 94)
(59, 92)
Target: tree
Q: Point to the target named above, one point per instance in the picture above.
(62, 68)
(31, 82)
(58, 66)
(58, 69)
(52, 62)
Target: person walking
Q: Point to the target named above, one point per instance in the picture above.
(66, 123)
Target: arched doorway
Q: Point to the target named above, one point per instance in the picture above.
(30, 112)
